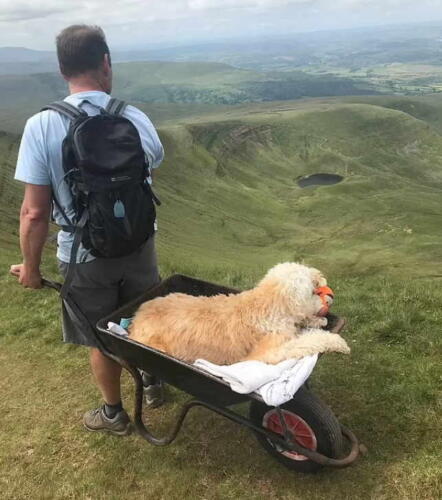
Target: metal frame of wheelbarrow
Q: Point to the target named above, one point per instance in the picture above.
(210, 392)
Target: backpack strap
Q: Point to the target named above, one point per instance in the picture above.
(115, 107)
(74, 250)
(71, 112)
(69, 227)
(65, 109)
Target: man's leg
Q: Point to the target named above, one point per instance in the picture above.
(110, 417)
(107, 374)
(95, 291)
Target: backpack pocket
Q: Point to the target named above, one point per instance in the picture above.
(120, 221)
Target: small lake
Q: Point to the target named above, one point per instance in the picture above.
(320, 180)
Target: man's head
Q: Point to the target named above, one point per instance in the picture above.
(83, 55)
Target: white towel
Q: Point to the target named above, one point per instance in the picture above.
(276, 384)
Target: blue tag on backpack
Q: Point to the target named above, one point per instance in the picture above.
(119, 210)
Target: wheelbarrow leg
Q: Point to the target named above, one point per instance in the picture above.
(138, 407)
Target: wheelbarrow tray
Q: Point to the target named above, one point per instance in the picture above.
(184, 376)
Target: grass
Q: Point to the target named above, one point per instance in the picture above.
(232, 209)
(388, 392)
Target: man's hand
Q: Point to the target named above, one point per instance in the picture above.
(26, 277)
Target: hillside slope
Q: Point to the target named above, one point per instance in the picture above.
(10, 194)
(230, 184)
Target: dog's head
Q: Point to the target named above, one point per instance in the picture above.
(302, 287)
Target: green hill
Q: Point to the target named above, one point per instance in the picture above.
(426, 108)
(10, 194)
(231, 184)
(231, 209)
(242, 175)
(197, 83)
(216, 83)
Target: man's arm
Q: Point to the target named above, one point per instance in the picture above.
(34, 225)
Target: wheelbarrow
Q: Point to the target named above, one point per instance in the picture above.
(302, 434)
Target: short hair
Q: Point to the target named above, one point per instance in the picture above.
(81, 48)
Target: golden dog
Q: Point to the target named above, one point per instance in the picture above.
(276, 320)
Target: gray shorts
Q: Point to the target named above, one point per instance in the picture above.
(101, 286)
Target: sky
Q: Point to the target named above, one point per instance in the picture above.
(139, 24)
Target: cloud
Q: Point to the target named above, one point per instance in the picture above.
(241, 4)
(25, 11)
(24, 14)
(134, 22)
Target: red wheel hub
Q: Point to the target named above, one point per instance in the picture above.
(302, 433)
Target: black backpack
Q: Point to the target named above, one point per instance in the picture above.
(106, 170)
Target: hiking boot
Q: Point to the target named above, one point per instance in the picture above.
(96, 420)
(154, 395)
(153, 390)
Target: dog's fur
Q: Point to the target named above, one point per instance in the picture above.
(274, 321)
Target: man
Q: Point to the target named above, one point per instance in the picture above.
(99, 285)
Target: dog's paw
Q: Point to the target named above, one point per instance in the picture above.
(339, 344)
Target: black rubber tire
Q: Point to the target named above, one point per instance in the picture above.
(317, 415)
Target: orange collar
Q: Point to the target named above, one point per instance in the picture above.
(323, 292)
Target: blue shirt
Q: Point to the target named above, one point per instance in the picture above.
(40, 157)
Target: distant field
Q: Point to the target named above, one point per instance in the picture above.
(392, 78)
(231, 209)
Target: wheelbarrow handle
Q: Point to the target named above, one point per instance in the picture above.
(339, 326)
(55, 285)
